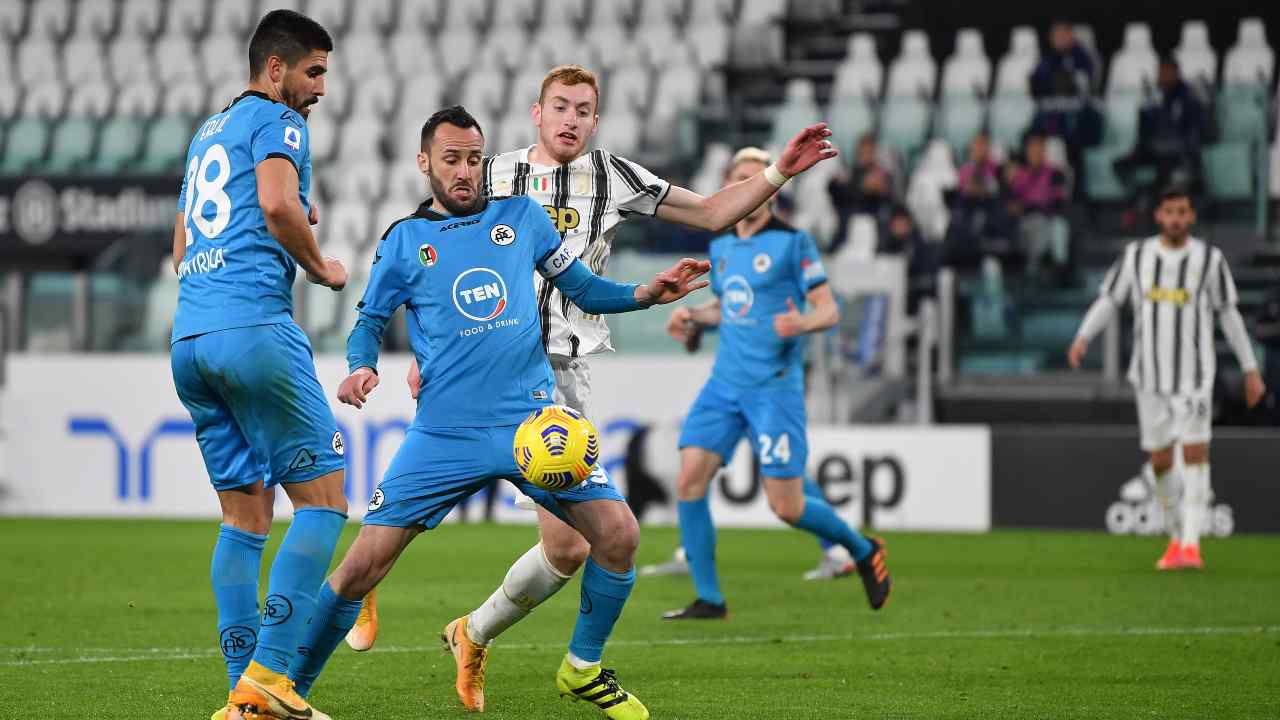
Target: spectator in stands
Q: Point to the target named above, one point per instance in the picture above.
(869, 188)
(1062, 83)
(976, 202)
(1170, 134)
(1065, 69)
(1035, 197)
(901, 237)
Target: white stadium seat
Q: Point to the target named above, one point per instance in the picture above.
(376, 93)
(334, 15)
(1014, 72)
(508, 45)
(797, 111)
(421, 15)
(619, 131)
(630, 84)
(656, 44)
(1250, 60)
(38, 62)
(46, 101)
(184, 98)
(187, 18)
(95, 18)
(361, 55)
(860, 75)
(50, 19)
(13, 16)
(711, 41)
(453, 53)
(83, 52)
(1134, 66)
(129, 60)
(323, 130)
(141, 98)
(485, 88)
(933, 178)
(566, 12)
(405, 180)
(606, 44)
(412, 52)
(516, 130)
(345, 222)
(176, 59)
(914, 73)
(515, 13)
(221, 57)
(361, 137)
(91, 98)
(1196, 57)
(140, 18)
(235, 18)
(762, 11)
(373, 16)
(420, 96)
(464, 16)
(968, 71)
(355, 178)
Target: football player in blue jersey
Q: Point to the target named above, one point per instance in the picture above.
(461, 266)
(762, 273)
(243, 369)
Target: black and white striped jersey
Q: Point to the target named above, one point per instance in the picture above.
(1175, 295)
(585, 200)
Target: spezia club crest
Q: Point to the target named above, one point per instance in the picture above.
(761, 262)
(337, 445)
(502, 235)
(376, 501)
(427, 255)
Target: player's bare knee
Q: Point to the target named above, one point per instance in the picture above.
(1196, 454)
(787, 508)
(566, 552)
(1162, 460)
(617, 549)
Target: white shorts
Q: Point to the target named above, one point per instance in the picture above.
(1168, 419)
(573, 388)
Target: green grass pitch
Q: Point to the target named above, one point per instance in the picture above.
(115, 619)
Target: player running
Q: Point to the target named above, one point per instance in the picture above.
(586, 194)
(1175, 283)
(461, 265)
(761, 274)
(243, 369)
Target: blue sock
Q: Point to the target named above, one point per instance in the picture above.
(237, 562)
(603, 595)
(820, 519)
(811, 489)
(333, 619)
(299, 567)
(698, 535)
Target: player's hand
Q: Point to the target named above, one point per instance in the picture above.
(1075, 355)
(414, 379)
(680, 324)
(806, 149)
(335, 276)
(789, 323)
(313, 216)
(1254, 388)
(356, 388)
(674, 283)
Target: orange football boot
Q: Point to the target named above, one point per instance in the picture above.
(1172, 557)
(365, 631)
(471, 659)
(1190, 557)
(262, 694)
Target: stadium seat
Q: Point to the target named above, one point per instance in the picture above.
(235, 18)
(814, 11)
(516, 130)
(13, 19)
(815, 213)
(184, 98)
(507, 45)
(468, 16)
(607, 44)
(10, 95)
(411, 51)
(38, 62)
(1121, 130)
(1133, 68)
(363, 57)
(1242, 113)
(1009, 117)
(711, 41)
(50, 19)
(656, 46)
(324, 129)
(850, 118)
(72, 144)
(1229, 171)
(120, 143)
(166, 145)
(968, 71)
(141, 18)
(141, 98)
(453, 55)
(904, 124)
(129, 60)
(95, 19)
(190, 19)
(762, 11)
(1101, 182)
(798, 110)
(1196, 59)
(405, 180)
(1014, 72)
(90, 99)
(334, 15)
(630, 85)
(707, 12)
(220, 56)
(376, 93)
(914, 72)
(421, 16)
(960, 117)
(860, 75)
(659, 15)
(83, 52)
(484, 89)
(1250, 60)
(176, 60)
(347, 222)
(358, 179)
(619, 14)
(47, 101)
(567, 12)
(221, 95)
(934, 176)
(361, 137)
(420, 97)
(520, 14)
(1085, 37)
(25, 144)
(757, 46)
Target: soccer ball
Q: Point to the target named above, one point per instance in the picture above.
(556, 448)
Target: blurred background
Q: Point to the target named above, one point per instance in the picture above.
(994, 162)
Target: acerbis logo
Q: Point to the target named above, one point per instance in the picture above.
(737, 297)
(460, 223)
(480, 294)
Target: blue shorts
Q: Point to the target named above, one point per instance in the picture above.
(259, 411)
(436, 469)
(772, 417)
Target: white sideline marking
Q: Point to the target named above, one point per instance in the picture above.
(87, 655)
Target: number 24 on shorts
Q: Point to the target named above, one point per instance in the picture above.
(772, 450)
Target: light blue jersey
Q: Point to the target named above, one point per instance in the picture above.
(234, 273)
(754, 277)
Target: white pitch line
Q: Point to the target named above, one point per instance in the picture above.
(167, 654)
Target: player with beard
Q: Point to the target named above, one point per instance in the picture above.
(1176, 283)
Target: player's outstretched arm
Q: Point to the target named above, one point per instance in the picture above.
(363, 346)
(289, 223)
(601, 296)
(823, 314)
(687, 320)
(734, 202)
(1238, 338)
(1098, 317)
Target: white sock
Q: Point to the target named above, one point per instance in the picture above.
(579, 663)
(1168, 489)
(530, 581)
(839, 554)
(1195, 498)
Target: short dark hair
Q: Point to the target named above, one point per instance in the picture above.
(1175, 192)
(288, 35)
(455, 115)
